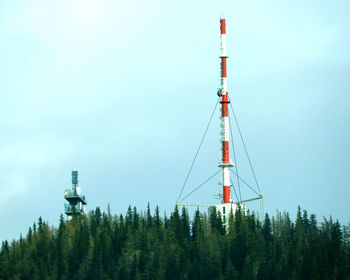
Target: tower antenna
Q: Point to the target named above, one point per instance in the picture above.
(226, 164)
(227, 204)
(76, 201)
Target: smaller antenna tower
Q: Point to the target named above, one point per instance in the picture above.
(76, 201)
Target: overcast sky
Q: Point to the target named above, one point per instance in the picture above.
(122, 91)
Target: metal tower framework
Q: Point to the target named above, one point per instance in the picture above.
(76, 201)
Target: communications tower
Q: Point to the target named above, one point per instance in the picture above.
(227, 204)
(76, 201)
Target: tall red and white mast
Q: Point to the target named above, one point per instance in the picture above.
(223, 93)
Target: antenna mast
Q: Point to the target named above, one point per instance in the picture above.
(227, 204)
(223, 93)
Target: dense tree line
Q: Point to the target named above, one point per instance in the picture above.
(148, 246)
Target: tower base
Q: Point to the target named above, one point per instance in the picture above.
(225, 210)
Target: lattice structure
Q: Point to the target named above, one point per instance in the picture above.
(76, 201)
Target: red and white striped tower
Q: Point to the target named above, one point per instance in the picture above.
(223, 93)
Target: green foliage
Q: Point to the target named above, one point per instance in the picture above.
(142, 245)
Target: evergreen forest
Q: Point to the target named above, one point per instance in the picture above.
(146, 245)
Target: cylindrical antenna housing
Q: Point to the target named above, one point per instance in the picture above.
(75, 178)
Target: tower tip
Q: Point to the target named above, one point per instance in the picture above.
(75, 177)
(223, 25)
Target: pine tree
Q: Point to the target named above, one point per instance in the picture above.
(149, 216)
(230, 272)
(61, 254)
(157, 221)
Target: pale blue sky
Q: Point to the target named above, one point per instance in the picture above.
(122, 91)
